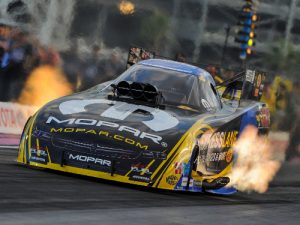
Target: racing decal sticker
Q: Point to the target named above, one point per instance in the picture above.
(83, 160)
(180, 167)
(139, 168)
(258, 84)
(103, 133)
(171, 180)
(205, 104)
(250, 74)
(39, 156)
(140, 178)
(121, 110)
(88, 159)
(263, 117)
(137, 54)
(229, 155)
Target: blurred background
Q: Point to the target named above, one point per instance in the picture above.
(51, 48)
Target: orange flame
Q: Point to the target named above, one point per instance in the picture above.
(126, 7)
(255, 167)
(44, 84)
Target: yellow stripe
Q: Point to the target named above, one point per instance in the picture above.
(194, 127)
(86, 172)
(148, 166)
(126, 175)
(194, 131)
(49, 160)
(169, 155)
(30, 132)
(37, 146)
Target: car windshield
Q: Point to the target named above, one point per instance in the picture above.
(177, 88)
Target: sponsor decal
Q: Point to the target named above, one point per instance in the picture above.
(197, 184)
(154, 155)
(263, 117)
(172, 180)
(101, 124)
(180, 167)
(88, 159)
(229, 155)
(217, 156)
(184, 181)
(160, 121)
(140, 178)
(38, 156)
(258, 84)
(223, 139)
(250, 74)
(206, 105)
(139, 168)
(212, 157)
(114, 137)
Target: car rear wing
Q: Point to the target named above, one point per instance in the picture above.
(245, 85)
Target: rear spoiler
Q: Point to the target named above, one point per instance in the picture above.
(245, 85)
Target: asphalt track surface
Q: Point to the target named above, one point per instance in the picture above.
(31, 196)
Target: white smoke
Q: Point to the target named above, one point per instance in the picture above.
(50, 20)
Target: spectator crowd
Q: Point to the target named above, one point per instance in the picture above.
(21, 53)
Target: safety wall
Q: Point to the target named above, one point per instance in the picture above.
(13, 117)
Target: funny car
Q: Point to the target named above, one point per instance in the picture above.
(161, 124)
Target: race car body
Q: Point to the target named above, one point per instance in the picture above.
(160, 124)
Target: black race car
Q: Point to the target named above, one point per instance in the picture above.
(161, 124)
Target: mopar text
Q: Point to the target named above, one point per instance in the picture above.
(89, 159)
(99, 123)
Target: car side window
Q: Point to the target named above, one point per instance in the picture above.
(219, 103)
(210, 98)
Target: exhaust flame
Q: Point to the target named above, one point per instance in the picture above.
(44, 84)
(255, 167)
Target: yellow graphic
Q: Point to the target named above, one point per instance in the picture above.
(164, 174)
(229, 155)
